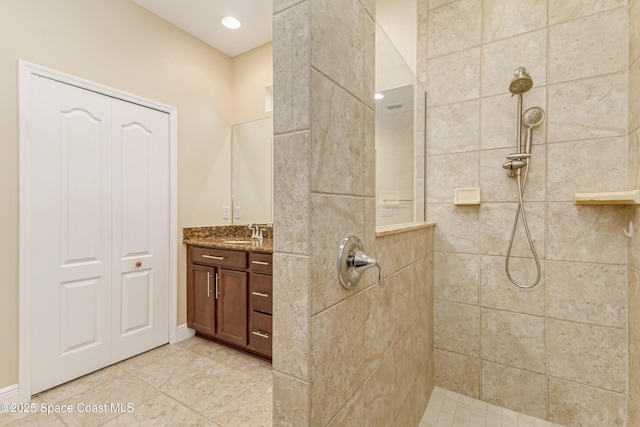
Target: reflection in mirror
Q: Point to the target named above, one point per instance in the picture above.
(400, 138)
(251, 172)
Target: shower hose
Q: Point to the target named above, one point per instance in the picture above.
(521, 184)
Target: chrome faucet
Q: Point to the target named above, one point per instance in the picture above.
(256, 231)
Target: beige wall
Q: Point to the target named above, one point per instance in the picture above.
(633, 257)
(118, 44)
(558, 351)
(252, 73)
(341, 357)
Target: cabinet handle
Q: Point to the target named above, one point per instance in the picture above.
(208, 285)
(260, 294)
(259, 262)
(261, 334)
(217, 285)
(219, 258)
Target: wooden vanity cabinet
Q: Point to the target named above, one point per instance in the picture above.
(221, 287)
(260, 303)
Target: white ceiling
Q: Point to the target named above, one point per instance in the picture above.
(201, 18)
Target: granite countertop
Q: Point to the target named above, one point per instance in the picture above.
(222, 236)
(264, 245)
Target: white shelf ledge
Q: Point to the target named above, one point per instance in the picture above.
(631, 197)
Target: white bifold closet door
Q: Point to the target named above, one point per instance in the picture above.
(98, 272)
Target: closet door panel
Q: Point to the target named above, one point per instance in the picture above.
(68, 266)
(140, 229)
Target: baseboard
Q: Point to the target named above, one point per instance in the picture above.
(183, 332)
(10, 394)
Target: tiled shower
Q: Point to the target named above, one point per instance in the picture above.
(567, 350)
(559, 350)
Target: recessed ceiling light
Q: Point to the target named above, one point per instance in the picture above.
(378, 96)
(230, 22)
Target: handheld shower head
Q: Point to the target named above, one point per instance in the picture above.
(531, 118)
(521, 82)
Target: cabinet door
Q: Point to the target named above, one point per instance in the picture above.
(231, 308)
(201, 302)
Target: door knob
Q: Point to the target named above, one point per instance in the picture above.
(138, 264)
(352, 262)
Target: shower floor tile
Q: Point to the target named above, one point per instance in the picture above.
(449, 409)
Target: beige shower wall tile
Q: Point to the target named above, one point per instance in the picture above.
(434, 4)
(496, 224)
(338, 335)
(566, 10)
(572, 166)
(454, 27)
(337, 139)
(406, 369)
(499, 114)
(633, 244)
(513, 339)
(332, 218)
(588, 108)
(352, 413)
(454, 77)
(423, 15)
(406, 415)
(634, 31)
(587, 292)
(456, 278)
(506, 18)
(339, 42)
(405, 302)
(588, 354)
(280, 5)
(634, 301)
(424, 241)
(496, 291)
(450, 171)
(291, 401)
(291, 193)
(291, 315)
(633, 162)
(634, 369)
(422, 60)
(498, 186)
(379, 329)
(601, 47)
(457, 372)
(379, 395)
(291, 67)
(457, 229)
(579, 405)
(501, 58)
(395, 252)
(463, 136)
(515, 389)
(586, 233)
(369, 6)
(457, 327)
(633, 415)
(634, 96)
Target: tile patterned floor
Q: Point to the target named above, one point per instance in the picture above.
(193, 383)
(449, 409)
(200, 383)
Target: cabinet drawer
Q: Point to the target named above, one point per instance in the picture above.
(218, 257)
(260, 336)
(261, 292)
(261, 262)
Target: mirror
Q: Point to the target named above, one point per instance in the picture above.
(400, 145)
(252, 172)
